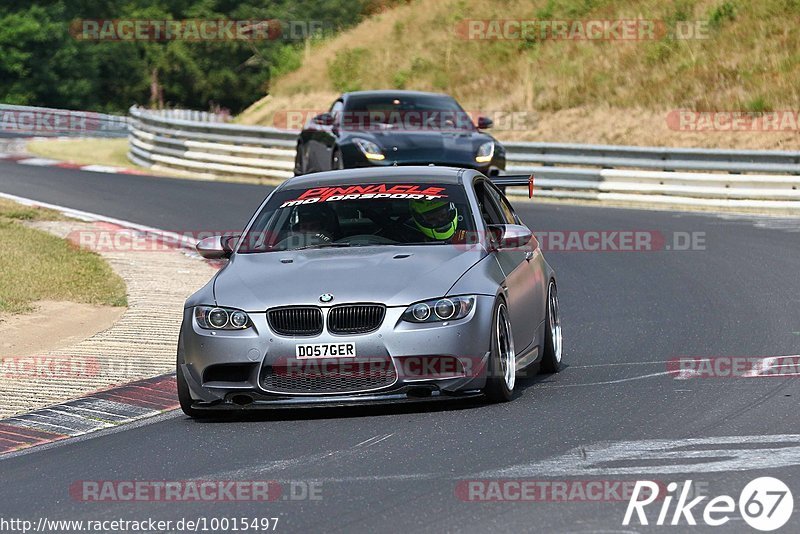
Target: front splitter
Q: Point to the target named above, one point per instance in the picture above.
(337, 401)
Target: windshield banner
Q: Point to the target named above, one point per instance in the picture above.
(376, 191)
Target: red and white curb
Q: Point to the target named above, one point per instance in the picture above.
(98, 411)
(104, 409)
(24, 159)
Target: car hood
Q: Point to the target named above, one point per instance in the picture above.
(392, 275)
(428, 146)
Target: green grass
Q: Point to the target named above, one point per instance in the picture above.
(113, 152)
(347, 69)
(38, 266)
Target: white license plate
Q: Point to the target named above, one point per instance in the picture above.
(325, 350)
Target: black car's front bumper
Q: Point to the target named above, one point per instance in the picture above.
(353, 158)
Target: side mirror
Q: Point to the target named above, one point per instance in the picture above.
(217, 247)
(510, 236)
(485, 123)
(323, 119)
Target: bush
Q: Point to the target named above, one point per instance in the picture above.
(721, 14)
(346, 69)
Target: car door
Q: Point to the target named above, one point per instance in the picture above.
(524, 276)
(322, 139)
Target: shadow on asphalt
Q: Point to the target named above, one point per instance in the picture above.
(377, 410)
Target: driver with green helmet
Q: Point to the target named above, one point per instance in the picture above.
(436, 219)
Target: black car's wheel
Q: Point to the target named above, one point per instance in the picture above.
(185, 398)
(501, 371)
(551, 359)
(337, 163)
(298, 161)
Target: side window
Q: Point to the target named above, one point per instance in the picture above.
(490, 210)
(506, 211)
(336, 109)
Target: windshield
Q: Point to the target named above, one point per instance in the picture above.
(404, 112)
(373, 214)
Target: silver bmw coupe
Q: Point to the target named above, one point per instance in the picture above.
(367, 286)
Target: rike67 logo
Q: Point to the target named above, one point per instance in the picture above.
(765, 504)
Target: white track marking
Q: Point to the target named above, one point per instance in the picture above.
(48, 427)
(786, 224)
(606, 382)
(620, 364)
(387, 436)
(100, 168)
(644, 457)
(38, 162)
(366, 441)
(93, 413)
(307, 460)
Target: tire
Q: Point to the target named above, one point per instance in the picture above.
(501, 372)
(337, 163)
(551, 358)
(185, 398)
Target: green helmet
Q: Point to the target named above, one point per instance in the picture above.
(436, 219)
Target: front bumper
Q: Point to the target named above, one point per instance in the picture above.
(224, 369)
(276, 403)
(354, 158)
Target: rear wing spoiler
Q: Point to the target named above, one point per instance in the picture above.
(514, 180)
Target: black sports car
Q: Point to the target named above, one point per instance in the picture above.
(385, 128)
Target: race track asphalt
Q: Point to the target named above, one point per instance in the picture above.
(625, 314)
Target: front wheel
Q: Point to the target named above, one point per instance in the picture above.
(551, 360)
(501, 370)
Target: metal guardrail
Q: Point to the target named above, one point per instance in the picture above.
(210, 148)
(189, 115)
(29, 121)
(664, 159)
(649, 175)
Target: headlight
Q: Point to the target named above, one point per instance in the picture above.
(485, 152)
(443, 309)
(216, 318)
(369, 149)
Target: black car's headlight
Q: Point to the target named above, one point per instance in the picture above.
(216, 318)
(436, 310)
(369, 149)
(485, 152)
